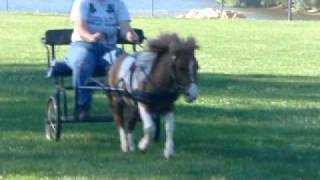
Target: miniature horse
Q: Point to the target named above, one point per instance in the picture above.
(153, 80)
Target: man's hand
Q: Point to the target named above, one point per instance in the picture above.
(132, 36)
(96, 37)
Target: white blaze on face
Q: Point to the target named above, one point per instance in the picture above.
(192, 92)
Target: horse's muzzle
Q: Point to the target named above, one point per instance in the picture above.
(192, 93)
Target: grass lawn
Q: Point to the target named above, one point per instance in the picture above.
(258, 116)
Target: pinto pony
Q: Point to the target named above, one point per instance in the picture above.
(153, 80)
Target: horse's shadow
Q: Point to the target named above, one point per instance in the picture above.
(261, 86)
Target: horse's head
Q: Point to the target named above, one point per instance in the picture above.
(185, 67)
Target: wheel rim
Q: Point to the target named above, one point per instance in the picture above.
(52, 120)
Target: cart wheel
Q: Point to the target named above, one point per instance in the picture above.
(53, 121)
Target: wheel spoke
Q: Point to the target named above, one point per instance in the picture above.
(52, 122)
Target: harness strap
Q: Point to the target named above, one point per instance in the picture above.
(148, 97)
(133, 68)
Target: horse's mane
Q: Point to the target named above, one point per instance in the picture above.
(170, 43)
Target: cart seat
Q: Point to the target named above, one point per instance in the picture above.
(60, 68)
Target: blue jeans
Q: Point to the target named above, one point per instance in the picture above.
(84, 58)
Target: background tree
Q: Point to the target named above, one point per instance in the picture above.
(313, 5)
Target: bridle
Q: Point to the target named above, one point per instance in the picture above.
(178, 86)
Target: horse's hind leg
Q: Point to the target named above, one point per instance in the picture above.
(132, 119)
(117, 107)
(148, 127)
(156, 120)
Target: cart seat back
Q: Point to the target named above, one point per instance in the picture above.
(59, 37)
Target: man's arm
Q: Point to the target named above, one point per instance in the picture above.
(81, 26)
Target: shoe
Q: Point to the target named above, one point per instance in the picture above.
(83, 115)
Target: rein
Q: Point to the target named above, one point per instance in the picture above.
(178, 84)
(174, 76)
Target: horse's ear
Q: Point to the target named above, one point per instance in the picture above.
(191, 43)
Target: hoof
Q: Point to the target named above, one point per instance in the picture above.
(124, 148)
(142, 148)
(168, 154)
(132, 148)
(143, 144)
(143, 151)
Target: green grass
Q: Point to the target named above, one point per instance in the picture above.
(258, 116)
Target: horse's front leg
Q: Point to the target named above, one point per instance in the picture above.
(117, 108)
(132, 119)
(169, 144)
(148, 127)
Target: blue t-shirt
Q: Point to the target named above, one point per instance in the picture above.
(101, 16)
